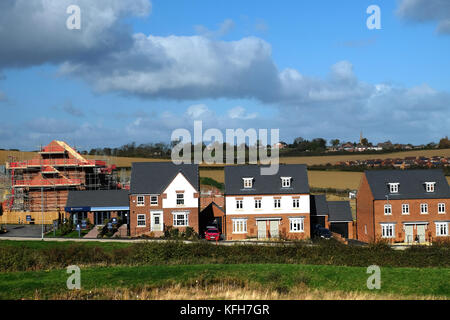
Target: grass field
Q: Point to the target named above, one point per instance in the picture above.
(281, 278)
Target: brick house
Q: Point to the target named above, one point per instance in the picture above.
(163, 194)
(333, 215)
(403, 206)
(267, 206)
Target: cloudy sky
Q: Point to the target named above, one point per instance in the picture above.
(138, 69)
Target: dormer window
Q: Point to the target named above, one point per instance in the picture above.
(286, 182)
(248, 183)
(430, 186)
(393, 187)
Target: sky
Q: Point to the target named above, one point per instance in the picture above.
(136, 70)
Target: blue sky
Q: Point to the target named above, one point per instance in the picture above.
(139, 69)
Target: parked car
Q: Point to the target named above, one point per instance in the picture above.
(212, 233)
(322, 232)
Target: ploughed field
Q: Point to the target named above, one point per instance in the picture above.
(173, 270)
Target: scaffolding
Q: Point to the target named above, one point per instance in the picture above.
(44, 182)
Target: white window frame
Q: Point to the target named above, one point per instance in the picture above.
(286, 182)
(441, 208)
(152, 203)
(277, 203)
(239, 226)
(430, 186)
(176, 219)
(181, 200)
(393, 187)
(140, 203)
(297, 225)
(405, 209)
(140, 220)
(258, 203)
(248, 183)
(239, 204)
(296, 203)
(388, 230)
(422, 207)
(388, 209)
(441, 229)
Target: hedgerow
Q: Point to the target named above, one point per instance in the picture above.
(177, 252)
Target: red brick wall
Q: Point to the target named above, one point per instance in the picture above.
(414, 215)
(167, 216)
(364, 212)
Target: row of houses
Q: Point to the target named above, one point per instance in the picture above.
(407, 162)
(401, 206)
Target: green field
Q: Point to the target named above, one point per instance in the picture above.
(398, 281)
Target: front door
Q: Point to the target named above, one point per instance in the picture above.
(421, 233)
(409, 234)
(262, 233)
(274, 232)
(157, 221)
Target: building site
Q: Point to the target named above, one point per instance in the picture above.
(42, 184)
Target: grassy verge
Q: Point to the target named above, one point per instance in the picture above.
(280, 278)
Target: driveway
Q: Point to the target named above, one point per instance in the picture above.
(22, 230)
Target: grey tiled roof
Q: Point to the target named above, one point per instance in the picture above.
(98, 198)
(318, 205)
(339, 211)
(154, 177)
(266, 184)
(411, 184)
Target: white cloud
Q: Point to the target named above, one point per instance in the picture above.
(241, 113)
(425, 11)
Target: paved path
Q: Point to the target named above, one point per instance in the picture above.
(92, 234)
(22, 230)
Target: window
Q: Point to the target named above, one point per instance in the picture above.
(277, 203)
(154, 200)
(180, 219)
(248, 183)
(239, 226)
(180, 199)
(388, 230)
(297, 225)
(424, 208)
(393, 187)
(239, 204)
(441, 229)
(296, 203)
(387, 209)
(140, 200)
(441, 208)
(286, 182)
(141, 220)
(257, 203)
(430, 186)
(405, 208)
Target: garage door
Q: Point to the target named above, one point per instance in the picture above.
(340, 227)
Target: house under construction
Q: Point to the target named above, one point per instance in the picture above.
(45, 181)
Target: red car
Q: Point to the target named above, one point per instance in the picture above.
(212, 234)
